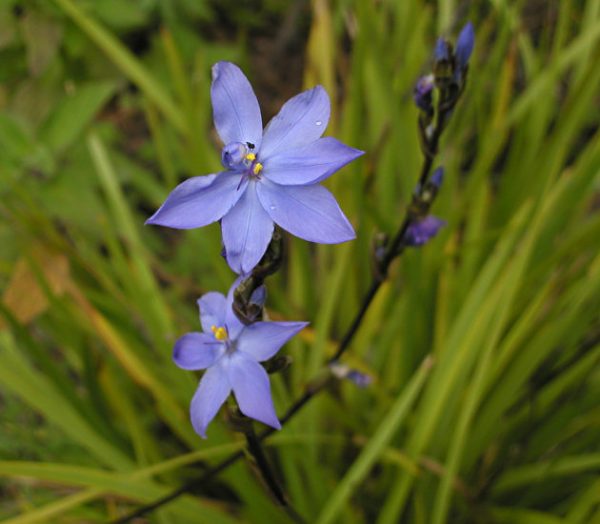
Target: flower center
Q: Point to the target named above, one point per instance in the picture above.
(220, 333)
(254, 167)
(241, 158)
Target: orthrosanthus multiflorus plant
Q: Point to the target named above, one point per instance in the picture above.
(230, 352)
(270, 176)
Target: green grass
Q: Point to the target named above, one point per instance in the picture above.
(484, 345)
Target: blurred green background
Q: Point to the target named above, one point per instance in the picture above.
(104, 108)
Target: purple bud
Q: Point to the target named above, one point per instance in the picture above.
(437, 177)
(441, 52)
(233, 156)
(259, 296)
(342, 371)
(422, 93)
(362, 380)
(464, 46)
(421, 231)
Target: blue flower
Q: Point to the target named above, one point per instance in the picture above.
(464, 46)
(271, 176)
(423, 230)
(230, 352)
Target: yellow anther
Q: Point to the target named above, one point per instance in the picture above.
(220, 333)
(251, 157)
(257, 168)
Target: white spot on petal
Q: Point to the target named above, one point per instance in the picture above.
(318, 122)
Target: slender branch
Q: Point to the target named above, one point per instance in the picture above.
(182, 490)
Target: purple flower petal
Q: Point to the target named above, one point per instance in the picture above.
(235, 109)
(309, 212)
(213, 390)
(213, 308)
(309, 164)
(195, 351)
(302, 120)
(252, 390)
(247, 231)
(262, 340)
(199, 201)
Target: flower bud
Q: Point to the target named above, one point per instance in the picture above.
(342, 371)
(423, 230)
(464, 46)
(423, 93)
(233, 156)
(437, 177)
(442, 51)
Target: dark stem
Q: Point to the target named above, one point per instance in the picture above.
(182, 490)
(393, 250)
(256, 450)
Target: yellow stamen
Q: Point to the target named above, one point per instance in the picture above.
(220, 333)
(257, 168)
(251, 157)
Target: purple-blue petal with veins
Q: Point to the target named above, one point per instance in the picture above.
(301, 120)
(199, 201)
(213, 309)
(262, 340)
(250, 384)
(247, 231)
(309, 212)
(311, 163)
(195, 351)
(213, 390)
(236, 112)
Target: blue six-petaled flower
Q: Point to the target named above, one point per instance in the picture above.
(271, 176)
(230, 352)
